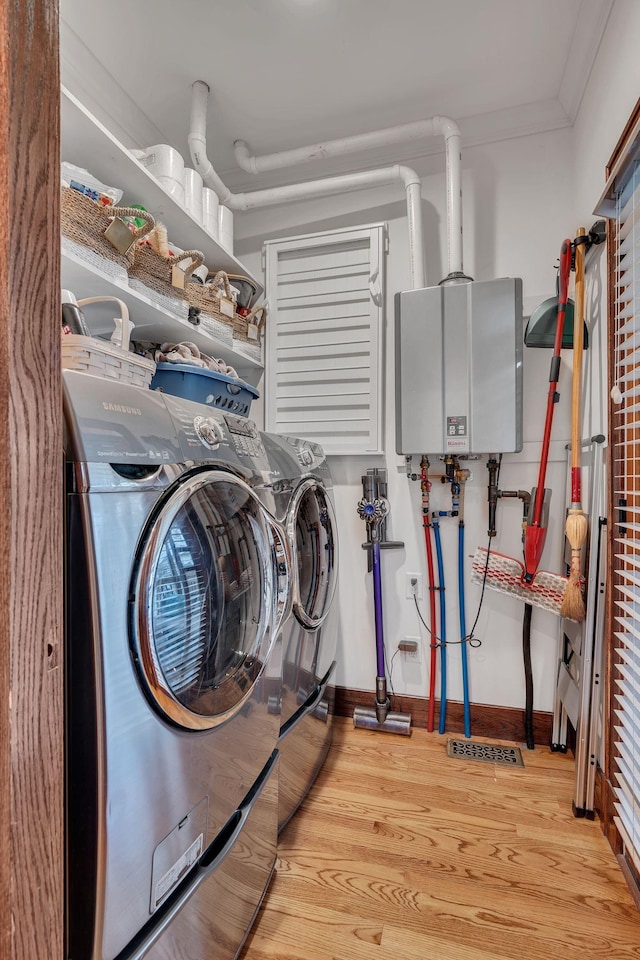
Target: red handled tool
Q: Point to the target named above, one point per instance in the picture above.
(536, 530)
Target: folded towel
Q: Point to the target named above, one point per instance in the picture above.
(189, 353)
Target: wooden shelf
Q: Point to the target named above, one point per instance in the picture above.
(152, 322)
(87, 143)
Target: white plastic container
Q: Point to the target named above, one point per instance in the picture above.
(174, 188)
(166, 165)
(103, 359)
(193, 193)
(111, 360)
(210, 208)
(225, 226)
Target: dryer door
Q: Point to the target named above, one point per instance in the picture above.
(312, 534)
(204, 600)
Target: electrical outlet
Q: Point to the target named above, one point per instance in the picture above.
(414, 589)
(410, 649)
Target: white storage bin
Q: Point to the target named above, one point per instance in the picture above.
(104, 358)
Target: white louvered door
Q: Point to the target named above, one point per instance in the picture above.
(626, 492)
(324, 338)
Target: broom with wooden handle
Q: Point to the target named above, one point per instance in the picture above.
(576, 525)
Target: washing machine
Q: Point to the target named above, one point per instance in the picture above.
(299, 493)
(177, 586)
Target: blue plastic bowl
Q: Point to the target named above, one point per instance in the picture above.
(216, 390)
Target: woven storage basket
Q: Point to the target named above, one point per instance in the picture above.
(152, 274)
(156, 271)
(84, 223)
(244, 329)
(206, 297)
(103, 359)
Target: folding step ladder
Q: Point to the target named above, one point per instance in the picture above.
(580, 645)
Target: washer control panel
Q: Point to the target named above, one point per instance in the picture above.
(208, 431)
(245, 437)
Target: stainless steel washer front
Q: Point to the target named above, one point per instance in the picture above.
(311, 527)
(204, 600)
(176, 587)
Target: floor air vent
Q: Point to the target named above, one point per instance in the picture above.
(485, 752)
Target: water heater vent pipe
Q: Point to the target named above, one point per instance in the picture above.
(328, 186)
(433, 127)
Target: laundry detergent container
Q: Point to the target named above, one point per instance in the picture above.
(205, 386)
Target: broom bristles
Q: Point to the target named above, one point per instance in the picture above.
(576, 529)
(573, 601)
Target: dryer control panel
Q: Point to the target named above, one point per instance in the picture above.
(245, 437)
(208, 431)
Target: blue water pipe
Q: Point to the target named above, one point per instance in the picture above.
(443, 627)
(463, 632)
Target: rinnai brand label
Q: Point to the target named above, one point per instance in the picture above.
(175, 873)
(460, 446)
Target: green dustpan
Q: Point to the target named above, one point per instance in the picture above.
(541, 326)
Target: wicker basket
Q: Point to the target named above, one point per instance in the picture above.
(93, 231)
(249, 330)
(103, 359)
(217, 309)
(153, 275)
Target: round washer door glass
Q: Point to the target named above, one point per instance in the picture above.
(313, 526)
(204, 602)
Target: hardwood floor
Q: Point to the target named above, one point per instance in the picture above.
(400, 852)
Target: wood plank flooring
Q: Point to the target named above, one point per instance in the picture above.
(402, 853)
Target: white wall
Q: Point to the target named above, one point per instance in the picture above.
(610, 96)
(517, 209)
(609, 99)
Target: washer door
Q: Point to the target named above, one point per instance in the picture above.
(312, 533)
(204, 600)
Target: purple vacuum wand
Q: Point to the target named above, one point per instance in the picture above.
(373, 512)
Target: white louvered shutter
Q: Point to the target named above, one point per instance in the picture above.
(324, 338)
(626, 492)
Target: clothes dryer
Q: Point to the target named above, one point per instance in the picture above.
(176, 588)
(299, 493)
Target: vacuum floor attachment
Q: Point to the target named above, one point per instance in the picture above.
(366, 718)
(380, 717)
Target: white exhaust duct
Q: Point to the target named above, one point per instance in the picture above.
(435, 126)
(312, 189)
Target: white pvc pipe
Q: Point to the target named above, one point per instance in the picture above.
(312, 189)
(434, 126)
(414, 220)
(197, 140)
(334, 148)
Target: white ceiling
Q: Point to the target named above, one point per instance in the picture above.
(284, 73)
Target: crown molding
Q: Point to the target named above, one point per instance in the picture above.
(590, 26)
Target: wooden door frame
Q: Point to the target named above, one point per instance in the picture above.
(31, 554)
(606, 797)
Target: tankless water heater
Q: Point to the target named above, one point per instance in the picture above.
(459, 368)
